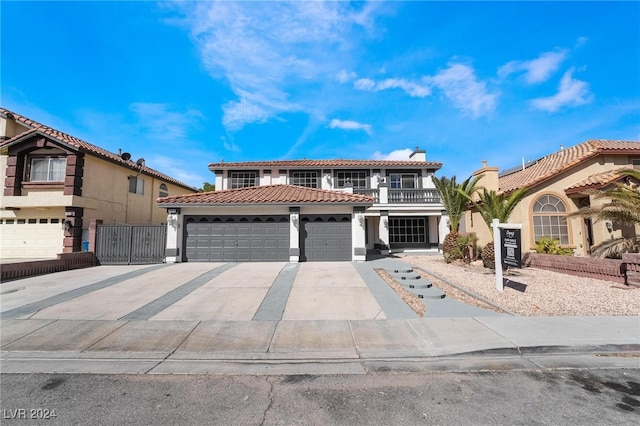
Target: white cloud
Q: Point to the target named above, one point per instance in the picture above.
(229, 144)
(350, 125)
(264, 50)
(398, 154)
(159, 122)
(536, 70)
(177, 169)
(344, 76)
(460, 84)
(571, 93)
(415, 90)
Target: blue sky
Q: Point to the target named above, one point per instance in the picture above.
(183, 84)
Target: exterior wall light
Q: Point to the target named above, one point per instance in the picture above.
(609, 226)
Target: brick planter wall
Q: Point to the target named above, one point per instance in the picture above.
(64, 262)
(632, 268)
(601, 269)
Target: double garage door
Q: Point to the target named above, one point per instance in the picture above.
(266, 238)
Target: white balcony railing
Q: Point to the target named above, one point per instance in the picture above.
(404, 196)
(414, 196)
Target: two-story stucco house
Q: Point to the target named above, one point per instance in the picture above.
(560, 184)
(308, 210)
(54, 184)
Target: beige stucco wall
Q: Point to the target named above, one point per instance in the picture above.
(105, 196)
(105, 190)
(10, 128)
(473, 222)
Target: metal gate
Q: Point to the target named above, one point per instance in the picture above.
(130, 244)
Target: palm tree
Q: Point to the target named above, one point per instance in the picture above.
(492, 205)
(454, 197)
(622, 208)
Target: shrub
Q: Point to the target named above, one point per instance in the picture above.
(467, 247)
(548, 245)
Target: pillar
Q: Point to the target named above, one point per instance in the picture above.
(173, 252)
(383, 232)
(358, 230)
(294, 234)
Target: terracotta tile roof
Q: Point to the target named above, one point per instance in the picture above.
(79, 144)
(596, 181)
(269, 194)
(561, 161)
(336, 163)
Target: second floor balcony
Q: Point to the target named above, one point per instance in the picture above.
(402, 196)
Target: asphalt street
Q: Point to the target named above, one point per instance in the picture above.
(533, 397)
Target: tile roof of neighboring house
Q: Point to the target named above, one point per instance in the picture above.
(269, 194)
(596, 181)
(561, 161)
(337, 163)
(79, 144)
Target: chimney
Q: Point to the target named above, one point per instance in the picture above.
(418, 155)
(490, 179)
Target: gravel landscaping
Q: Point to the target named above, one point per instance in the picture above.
(529, 291)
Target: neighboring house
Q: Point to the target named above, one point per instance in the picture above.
(559, 184)
(54, 185)
(308, 210)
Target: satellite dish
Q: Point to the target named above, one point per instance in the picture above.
(140, 162)
(126, 156)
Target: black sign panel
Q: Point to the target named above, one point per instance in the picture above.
(511, 247)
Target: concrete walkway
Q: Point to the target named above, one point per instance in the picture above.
(277, 318)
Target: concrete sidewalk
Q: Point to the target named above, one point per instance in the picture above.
(317, 347)
(279, 319)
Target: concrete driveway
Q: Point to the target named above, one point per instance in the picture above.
(196, 292)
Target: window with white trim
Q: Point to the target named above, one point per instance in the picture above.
(550, 219)
(407, 230)
(242, 179)
(305, 178)
(47, 169)
(403, 180)
(357, 179)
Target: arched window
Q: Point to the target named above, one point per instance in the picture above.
(550, 219)
(164, 191)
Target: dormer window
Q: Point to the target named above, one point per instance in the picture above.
(47, 169)
(242, 179)
(357, 179)
(305, 178)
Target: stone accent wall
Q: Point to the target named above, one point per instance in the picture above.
(601, 269)
(64, 262)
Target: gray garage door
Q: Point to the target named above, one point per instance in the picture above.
(325, 238)
(237, 238)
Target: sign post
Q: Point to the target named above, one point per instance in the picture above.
(507, 247)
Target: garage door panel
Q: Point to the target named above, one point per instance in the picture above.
(31, 240)
(237, 238)
(326, 238)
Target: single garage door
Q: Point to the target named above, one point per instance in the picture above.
(325, 238)
(237, 238)
(31, 238)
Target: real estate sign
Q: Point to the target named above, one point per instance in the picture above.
(511, 247)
